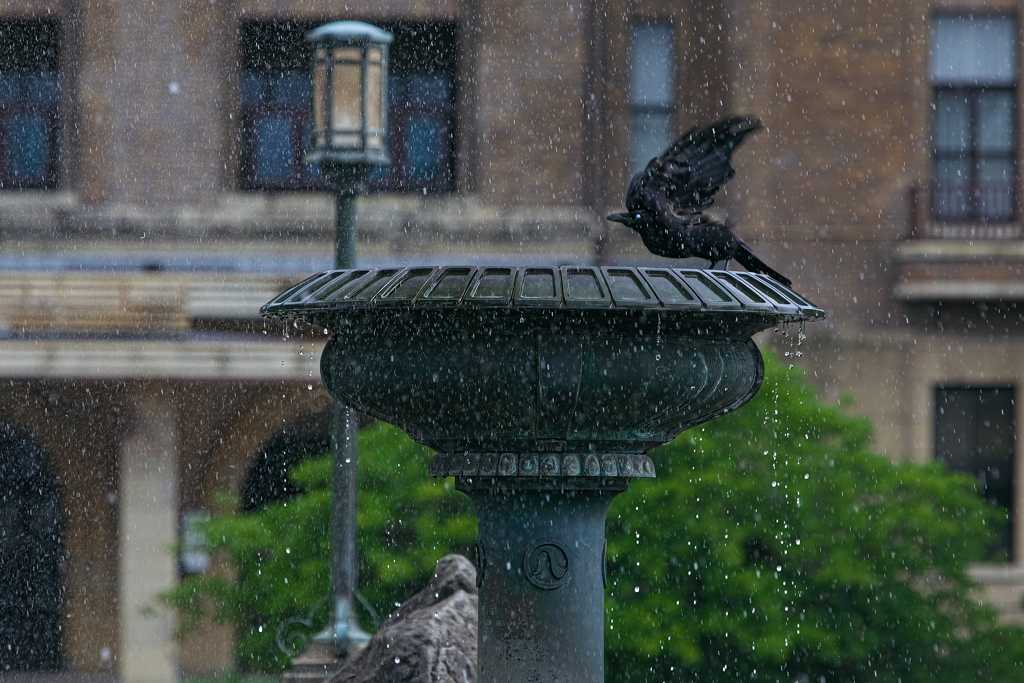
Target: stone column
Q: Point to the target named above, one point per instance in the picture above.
(148, 527)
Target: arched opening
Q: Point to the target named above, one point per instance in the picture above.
(31, 555)
(266, 479)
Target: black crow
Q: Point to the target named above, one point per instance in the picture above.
(666, 200)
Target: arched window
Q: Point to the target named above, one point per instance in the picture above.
(266, 480)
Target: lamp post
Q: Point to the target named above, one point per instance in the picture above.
(348, 140)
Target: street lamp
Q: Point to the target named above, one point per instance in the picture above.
(348, 140)
(350, 115)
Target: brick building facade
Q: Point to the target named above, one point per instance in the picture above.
(151, 198)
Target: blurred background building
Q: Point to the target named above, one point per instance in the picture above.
(153, 196)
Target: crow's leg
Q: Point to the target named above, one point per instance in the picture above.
(727, 262)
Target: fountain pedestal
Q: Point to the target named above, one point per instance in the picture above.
(542, 389)
(541, 572)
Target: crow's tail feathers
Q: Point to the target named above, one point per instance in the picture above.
(755, 265)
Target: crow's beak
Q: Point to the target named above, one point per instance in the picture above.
(620, 218)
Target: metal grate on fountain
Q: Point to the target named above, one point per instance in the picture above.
(545, 287)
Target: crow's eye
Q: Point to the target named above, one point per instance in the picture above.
(638, 216)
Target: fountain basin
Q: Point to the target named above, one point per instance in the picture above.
(502, 362)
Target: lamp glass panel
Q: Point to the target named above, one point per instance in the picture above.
(374, 97)
(320, 96)
(348, 54)
(347, 97)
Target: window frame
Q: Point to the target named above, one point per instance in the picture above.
(974, 190)
(1009, 535)
(49, 112)
(974, 208)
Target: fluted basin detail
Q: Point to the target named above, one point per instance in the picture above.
(585, 391)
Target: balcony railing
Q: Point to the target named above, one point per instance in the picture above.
(974, 201)
(946, 210)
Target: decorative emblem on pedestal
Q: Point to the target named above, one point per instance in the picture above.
(546, 563)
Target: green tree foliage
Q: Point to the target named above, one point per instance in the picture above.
(280, 554)
(773, 546)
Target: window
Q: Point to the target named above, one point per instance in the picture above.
(276, 107)
(421, 109)
(29, 98)
(275, 118)
(651, 91)
(974, 73)
(974, 433)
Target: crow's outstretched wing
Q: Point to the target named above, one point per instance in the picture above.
(683, 180)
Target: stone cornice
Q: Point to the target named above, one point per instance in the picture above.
(131, 301)
(148, 359)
